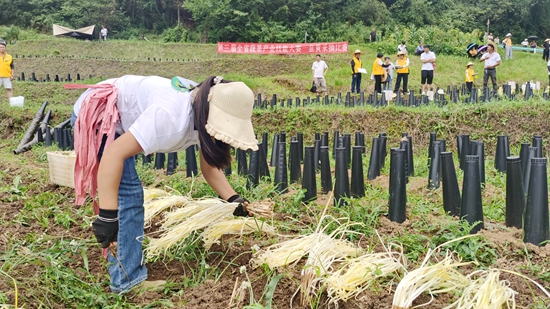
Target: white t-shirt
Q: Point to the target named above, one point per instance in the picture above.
(548, 67)
(492, 59)
(401, 48)
(318, 68)
(428, 66)
(104, 31)
(159, 117)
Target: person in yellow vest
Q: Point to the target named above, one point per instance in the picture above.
(507, 42)
(470, 76)
(355, 74)
(402, 67)
(6, 69)
(378, 72)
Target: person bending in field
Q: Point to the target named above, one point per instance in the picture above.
(149, 114)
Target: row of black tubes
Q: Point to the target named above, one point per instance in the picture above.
(410, 100)
(526, 175)
(16, 56)
(526, 183)
(63, 138)
(48, 78)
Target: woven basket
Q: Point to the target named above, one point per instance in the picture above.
(61, 164)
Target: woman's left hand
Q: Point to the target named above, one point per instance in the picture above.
(241, 210)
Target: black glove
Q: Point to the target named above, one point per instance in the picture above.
(241, 210)
(105, 227)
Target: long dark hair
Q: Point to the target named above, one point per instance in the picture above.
(216, 153)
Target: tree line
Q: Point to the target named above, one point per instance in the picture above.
(209, 21)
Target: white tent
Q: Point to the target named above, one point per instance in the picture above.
(81, 33)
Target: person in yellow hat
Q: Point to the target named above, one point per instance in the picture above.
(355, 74)
(402, 67)
(470, 76)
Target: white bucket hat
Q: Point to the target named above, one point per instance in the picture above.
(229, 116)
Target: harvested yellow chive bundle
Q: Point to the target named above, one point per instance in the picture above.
(212, 234)
(157, 205)
(284, 253)
(487, 291)
(188, 209)
(354, 276)
(151, 193)
(438, 278)
(206, 217)
(324, 252)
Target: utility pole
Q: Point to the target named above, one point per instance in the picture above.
(305, 38)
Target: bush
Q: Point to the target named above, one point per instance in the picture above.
(447, 41)
(177, 34)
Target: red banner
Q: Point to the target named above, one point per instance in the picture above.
(282, 48)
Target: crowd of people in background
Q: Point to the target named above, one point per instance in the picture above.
(385, 72)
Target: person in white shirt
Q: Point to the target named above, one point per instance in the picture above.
(319, 69)
(155, 114)
(525, 43)
(103, 33)
(548, 73)
(402, 47)
(428, 62)
(492, 60)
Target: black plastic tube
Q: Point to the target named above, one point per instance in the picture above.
(471, 208)
(515, 196)
(398, 186)
(374, 165)
(536, 211)
(435, 166)
(308, 180)
(295, 166)
(341, 188)
(281, 172)
(357, 175)
(326, 177)
(451, 192)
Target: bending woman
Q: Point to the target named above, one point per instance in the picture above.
(119, 118)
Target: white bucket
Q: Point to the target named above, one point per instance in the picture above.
(388, 94)
(17, 101)
(430, 95)
(512, 85)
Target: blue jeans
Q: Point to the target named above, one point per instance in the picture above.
(387, 84)
(356, 83)
(131, 269)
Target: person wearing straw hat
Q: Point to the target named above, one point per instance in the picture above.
(508, 45)
(402, 67)
(470, 76)
(355, 74)
(6, 69)
(546, 50)
(151, 114)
